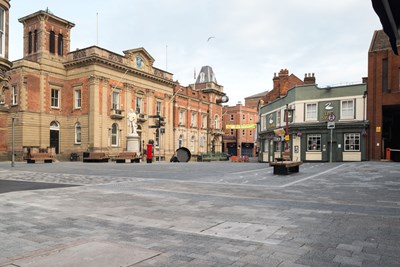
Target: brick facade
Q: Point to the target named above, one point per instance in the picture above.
(77, 101)
(240, 130)
(198, 116)
(5, 66)
(383, 97)
(90, 89)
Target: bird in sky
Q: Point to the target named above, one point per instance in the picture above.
(209, 38)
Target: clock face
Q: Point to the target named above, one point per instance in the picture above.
(224, 99)
(139, 62)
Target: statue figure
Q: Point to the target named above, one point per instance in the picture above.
(132, 121)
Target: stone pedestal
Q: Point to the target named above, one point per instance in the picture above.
(133, 143)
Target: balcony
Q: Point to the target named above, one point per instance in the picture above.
(117, 114)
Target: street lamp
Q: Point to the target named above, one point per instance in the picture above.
(12, 142)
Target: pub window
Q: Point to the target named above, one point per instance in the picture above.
(311, 112)
(347, 109)
(314, 142)
(352, 142)
(232, 117)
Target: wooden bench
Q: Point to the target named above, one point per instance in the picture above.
(40, 156)
(124, 156)
(96, 157)
(285, 167)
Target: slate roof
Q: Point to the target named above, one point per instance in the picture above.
(206, 75)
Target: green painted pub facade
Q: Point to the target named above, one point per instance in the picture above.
(315, 124)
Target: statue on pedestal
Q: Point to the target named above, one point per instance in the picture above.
(132, 122)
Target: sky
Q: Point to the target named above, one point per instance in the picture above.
(252, 39)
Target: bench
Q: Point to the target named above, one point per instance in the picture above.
(95, 157)
(124, 156)
(285, 167)
(285, 157)
(40, 156)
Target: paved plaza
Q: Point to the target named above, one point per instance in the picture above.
(199, 214)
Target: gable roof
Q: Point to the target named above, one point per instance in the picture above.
(380, 41)
(142, 51)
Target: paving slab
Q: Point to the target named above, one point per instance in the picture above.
(203, 214)
(93, 253)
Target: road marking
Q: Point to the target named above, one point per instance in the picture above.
(310, 177)
(254, 170)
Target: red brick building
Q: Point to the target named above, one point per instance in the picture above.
(77, 101)
(240, 130)
(383, 98)
(198, 114)
(5, 66)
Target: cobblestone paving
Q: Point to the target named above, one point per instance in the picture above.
(209, 214)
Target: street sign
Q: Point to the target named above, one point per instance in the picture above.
(154, 126)
(331, 117)
(331, 125)
(241, 126)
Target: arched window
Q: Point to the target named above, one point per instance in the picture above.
(30, 42)
(216, 122)
(114, 135)
(78, 134)
(54, 126)
(60, 44)
(52, 43)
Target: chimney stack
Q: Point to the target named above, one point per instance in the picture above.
(309, 78)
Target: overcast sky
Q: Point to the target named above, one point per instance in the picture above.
(253, 39)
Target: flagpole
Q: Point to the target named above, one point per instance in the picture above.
(97, 28)
(166, 58)
(194, 76)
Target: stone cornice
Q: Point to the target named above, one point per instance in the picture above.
(94, 59)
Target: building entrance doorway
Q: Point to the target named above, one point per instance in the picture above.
(55, 136)
(391, 130)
